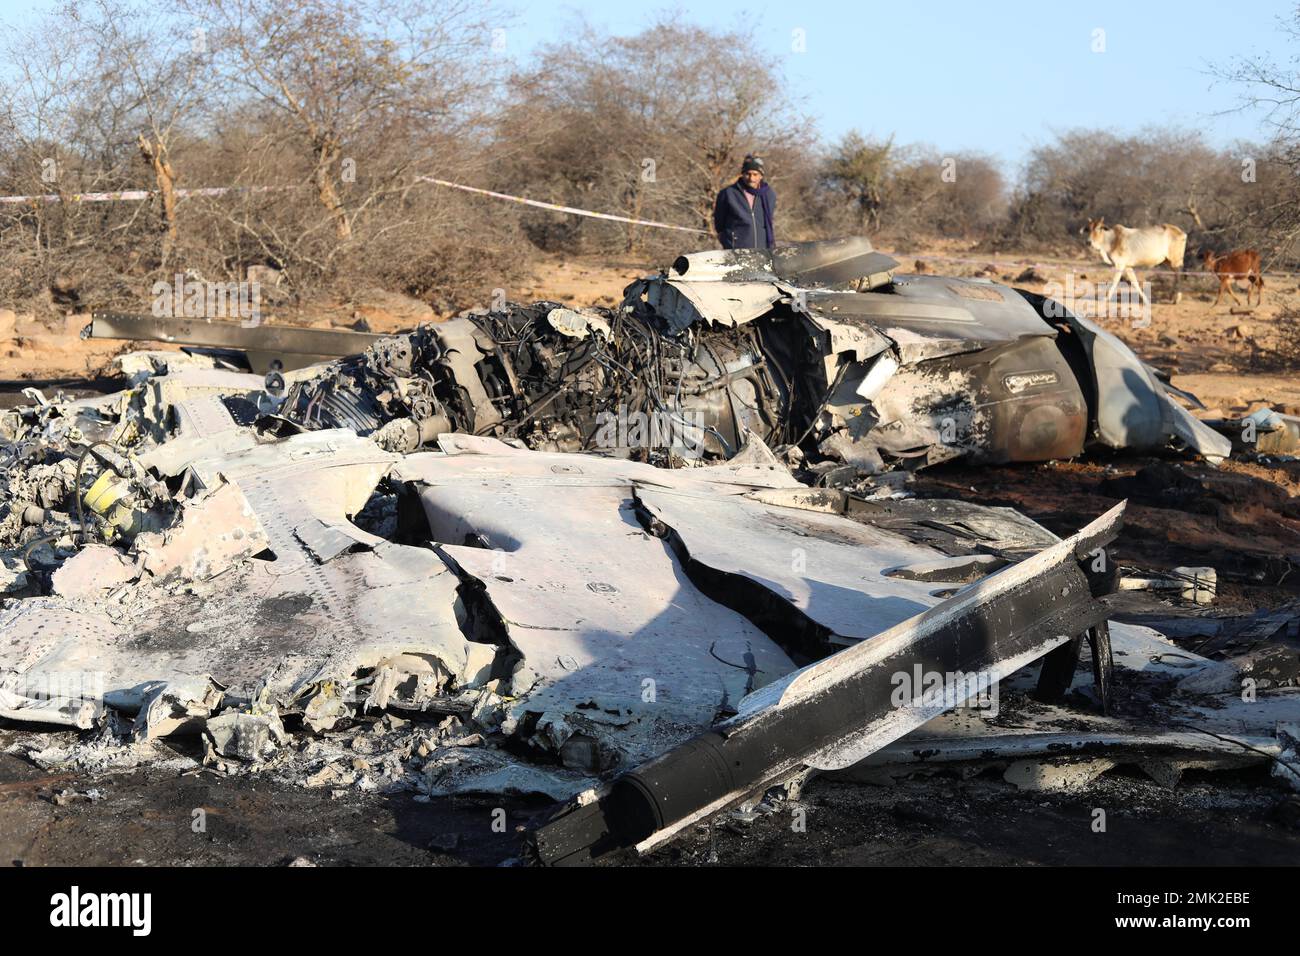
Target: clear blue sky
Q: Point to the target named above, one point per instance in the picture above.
(994, 75)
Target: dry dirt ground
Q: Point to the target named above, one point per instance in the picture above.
(146, 818)
(1243, 519)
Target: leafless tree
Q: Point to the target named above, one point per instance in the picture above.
(1274, 88)
(83, 87)
(651, 125)
(345, 78)
(858, 168)
(914, 191)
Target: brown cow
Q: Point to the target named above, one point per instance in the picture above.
(1241, 264)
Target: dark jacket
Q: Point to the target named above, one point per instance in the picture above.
(738, 226)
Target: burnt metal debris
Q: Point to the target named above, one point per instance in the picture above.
(817, 349)
(652, 562)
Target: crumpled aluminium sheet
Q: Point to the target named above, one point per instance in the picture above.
(622, 655)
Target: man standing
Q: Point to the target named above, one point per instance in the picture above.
(742, 215)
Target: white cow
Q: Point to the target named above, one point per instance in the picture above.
(1147, 247)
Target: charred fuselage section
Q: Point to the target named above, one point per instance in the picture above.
(817, 349)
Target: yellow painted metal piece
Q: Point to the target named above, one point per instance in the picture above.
(106, 498)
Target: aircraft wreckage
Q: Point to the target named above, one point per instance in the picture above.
(648, 560)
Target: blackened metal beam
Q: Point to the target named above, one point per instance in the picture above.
(292, 347)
